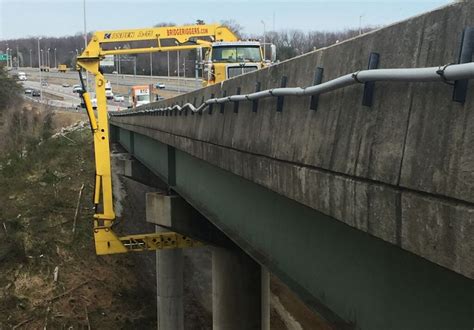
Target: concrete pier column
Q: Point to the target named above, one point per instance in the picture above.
(169, 289)
(266, 297)
(237, 291)
(169, 273)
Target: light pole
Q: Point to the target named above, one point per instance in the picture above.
(151, 67)
(134, 65)
(49, 62)
(39, 68)
(116, 78)
(55, 63)
(177, 69)
(85, 40)
(184, 67)
(197, 64)
(168, 53)
(31, 60)
(360, 24)
(119, 69)
(264, 39)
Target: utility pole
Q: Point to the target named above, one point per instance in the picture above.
(17, 57)
(49, 62)
(31, 60)
(55, 62)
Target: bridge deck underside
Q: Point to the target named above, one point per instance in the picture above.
(343, 273)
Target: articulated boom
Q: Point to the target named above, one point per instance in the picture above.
(104, 43)
(106, 241)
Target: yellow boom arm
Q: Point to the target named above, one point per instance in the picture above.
(185, 37)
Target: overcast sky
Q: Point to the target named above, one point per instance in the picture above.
(22, 18)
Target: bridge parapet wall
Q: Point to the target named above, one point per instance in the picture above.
(401, 170)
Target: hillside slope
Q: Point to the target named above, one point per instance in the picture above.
(38, 197)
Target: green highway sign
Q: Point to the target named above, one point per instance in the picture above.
(4, 57)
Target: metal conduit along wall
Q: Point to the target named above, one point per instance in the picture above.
(448, 73)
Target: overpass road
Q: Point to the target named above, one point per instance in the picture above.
(365, 209)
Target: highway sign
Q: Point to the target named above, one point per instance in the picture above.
(108, 60)
(4, 57)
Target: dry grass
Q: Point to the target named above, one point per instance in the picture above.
(38, 194)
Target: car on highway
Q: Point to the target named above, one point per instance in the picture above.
(36, 93)
(44, 83)
(108, 91)
(22, 76)
(119, 98)
(28, 91)
(66, 85)
(160, 85)
(76, 88)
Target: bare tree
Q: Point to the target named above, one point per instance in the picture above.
(233, 26)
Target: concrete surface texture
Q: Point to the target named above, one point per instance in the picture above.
(237, 291)
(402, 170)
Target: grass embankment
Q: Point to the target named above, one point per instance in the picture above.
(40, 178)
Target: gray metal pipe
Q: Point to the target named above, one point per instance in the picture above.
(450, 72)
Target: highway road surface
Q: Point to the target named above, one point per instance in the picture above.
(174, 84)
(60, 96)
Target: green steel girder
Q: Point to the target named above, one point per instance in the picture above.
(343, 273)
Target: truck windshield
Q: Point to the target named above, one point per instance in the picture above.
(141, 98)
(236, 54)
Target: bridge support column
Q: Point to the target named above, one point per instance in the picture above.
(169, 274)
(266, 298)
(240, 291)
(169, 289)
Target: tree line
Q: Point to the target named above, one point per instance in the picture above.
(63, 50)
